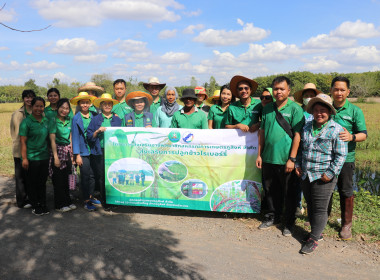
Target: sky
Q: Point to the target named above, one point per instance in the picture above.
(177, 40)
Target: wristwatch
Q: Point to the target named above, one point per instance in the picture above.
(293, 159)
(353, 138)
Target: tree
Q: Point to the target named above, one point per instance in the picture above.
(31, 84)
(212, 86)
(103, 80)
(193, 82)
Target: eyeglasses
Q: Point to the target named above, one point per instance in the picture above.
(241, 88)
(266, 97)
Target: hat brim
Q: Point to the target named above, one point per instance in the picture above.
(298, 94)
(213, 98)
(93, 88)
(315, 100)
(237, 79)
(76, 99)
(99, 100)
(136, 94)
(146, 85)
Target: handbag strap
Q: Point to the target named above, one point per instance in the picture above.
(282, 122)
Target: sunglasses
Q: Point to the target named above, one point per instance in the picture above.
(266, 97)
(241, 88)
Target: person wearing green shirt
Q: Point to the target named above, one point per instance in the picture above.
(35, 155)
(351, 118)
(189, 116)
(53, 96)
(277, 155)
(303, 97)
(17, 117)
(266, 96)
(201, 94)
(165, 112)
(218, 112)
(153, 86)
(122, 108)
(139, 101)
(92, 89)
(244, 114)
(60, 164)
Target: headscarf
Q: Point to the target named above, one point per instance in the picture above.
(170, 108)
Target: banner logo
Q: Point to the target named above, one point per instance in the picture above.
(174, 136)
(188, 137)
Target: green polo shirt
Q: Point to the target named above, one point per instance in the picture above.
(106, 123)
(238, 113)
(139, 121)
(50, 114)
(217, 116)
(155, 106)
(61, 130)
(197, 120)
(277, 141)
(93, 109)
(86, 122)
(121, 109)
(351, 117)
(37, 134)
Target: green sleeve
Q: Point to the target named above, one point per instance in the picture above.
(258, 108)
(263, 117)
(52, 126)
(204, 122)
(174, 123)
(298, 120)
(229, 116)
(211, 114)
(23, 130)
(359, 124)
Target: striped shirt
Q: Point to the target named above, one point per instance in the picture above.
(322, 154)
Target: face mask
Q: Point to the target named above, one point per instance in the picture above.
(306, 101)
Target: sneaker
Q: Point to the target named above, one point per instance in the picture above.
(64, 209)
(95, 202)
(72, 206)
(286, 232)
(269, 222)
(306, 238)
(45, 210)
(37, 211)
(27, 206)
(309, 246)
(89, 206)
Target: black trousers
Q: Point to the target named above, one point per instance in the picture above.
(98, 162)
(60, 180)
(345, 186)
(36, 177)
(87, 177)
(280, 191)
(21, 196)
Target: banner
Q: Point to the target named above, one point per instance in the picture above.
(199, 169)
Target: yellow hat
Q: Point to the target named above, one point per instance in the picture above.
(105, 97)
(81, 96)
(214, 97)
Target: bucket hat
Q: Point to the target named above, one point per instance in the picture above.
(298, 96)
(153, 81)
(320, 98)
(188, 93)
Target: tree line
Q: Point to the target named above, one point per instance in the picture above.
(363, 85)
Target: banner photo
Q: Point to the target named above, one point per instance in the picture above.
(198, 169)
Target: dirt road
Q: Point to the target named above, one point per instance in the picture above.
(151, 243)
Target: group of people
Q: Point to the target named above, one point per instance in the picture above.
(309, 148)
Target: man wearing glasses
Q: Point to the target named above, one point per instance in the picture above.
(245, 113)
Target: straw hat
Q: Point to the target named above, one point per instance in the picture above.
(104, 97)
(298, 96)
(81, 96)
(237, 79)
(320, 98)
(91, 86)
(215, 96)
(153, 81)
(137, 95)
(188, 93)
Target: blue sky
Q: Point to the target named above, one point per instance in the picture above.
(175, 40)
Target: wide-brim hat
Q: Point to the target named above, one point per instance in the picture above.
(298, 96)
(91, 86)
(153, 81)
(137, 95)
(321, 98)
(188, 93)
(104, 97)
(237, 79)
(81, 96)
(215, 96)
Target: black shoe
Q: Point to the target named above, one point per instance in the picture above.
(45, 210)
(37, 211)
(309, 246)
(306, 238)
(287, 231)
(269, 222)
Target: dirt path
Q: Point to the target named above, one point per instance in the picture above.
(151, 243)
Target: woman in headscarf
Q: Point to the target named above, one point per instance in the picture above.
(169, 106)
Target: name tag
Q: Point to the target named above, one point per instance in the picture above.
(286, 115)
(346, 117)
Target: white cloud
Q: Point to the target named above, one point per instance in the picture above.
(175, 57)
(29, 53)
(7, 15)
(191, 28)
(324, 41)
(130, 45)
(273, 51)
(166, 34)
(240, 22)
(193, 13)
(16, 66)
(4, 48)
(94, 58)
(357, 29)
(363, 54)
(74, 13)
(249, 33)
(74, 46)
(148, 67)
(321, 63)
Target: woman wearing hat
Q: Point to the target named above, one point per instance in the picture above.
(139, 101)
(95, 137)
(81, 148)
(154, 86)
(303, 97)
(189, 116)
(201, 94)
(92, 89)
(50, 111)
(323, 155)
(245, 113)
(164, 114)
(218, 112)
